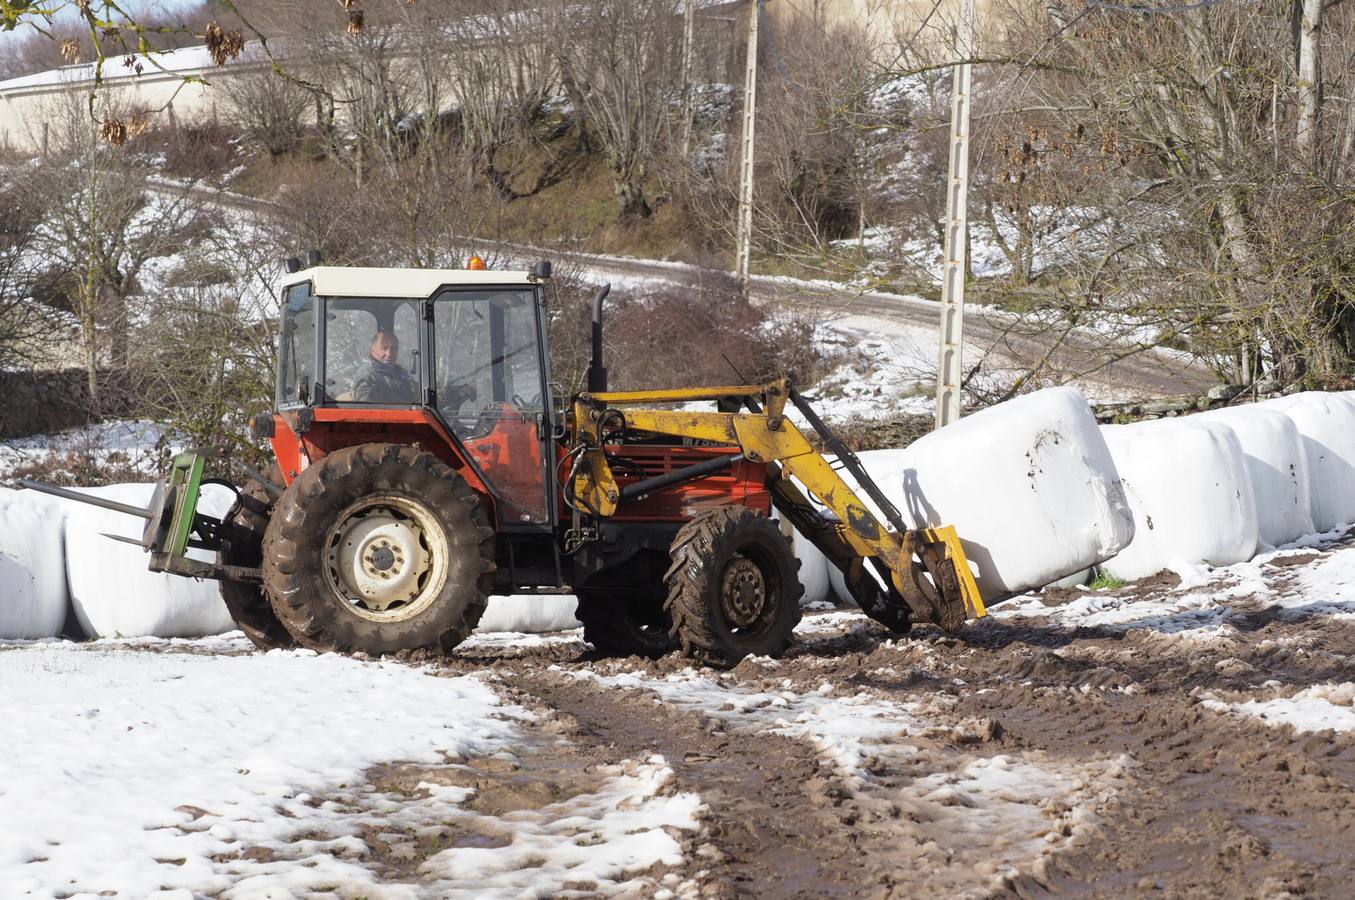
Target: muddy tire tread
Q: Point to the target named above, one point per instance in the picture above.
(693, 550)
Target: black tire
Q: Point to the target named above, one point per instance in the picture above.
(315, 589)
(619, 622)
(245, 524)
(733, 589)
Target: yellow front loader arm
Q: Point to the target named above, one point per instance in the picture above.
(926, 567)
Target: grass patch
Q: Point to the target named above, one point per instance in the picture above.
(1104, 581)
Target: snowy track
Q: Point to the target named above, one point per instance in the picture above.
(1192, 736)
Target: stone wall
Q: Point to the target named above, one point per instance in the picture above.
(44, 402)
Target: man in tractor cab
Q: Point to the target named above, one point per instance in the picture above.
(384, 380)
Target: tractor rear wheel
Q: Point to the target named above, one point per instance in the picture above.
(619, 622)
(379, 548)
(733, 589)
(245, 524)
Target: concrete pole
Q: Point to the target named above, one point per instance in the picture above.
(744, 234)
(688, 26)
(950, 369)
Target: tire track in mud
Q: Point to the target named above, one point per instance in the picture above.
(1210, 803)
(772, 829)
(783, 820)
(1222, 805)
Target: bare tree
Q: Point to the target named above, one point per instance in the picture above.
(621, 62)
(501, 72)
(426, 209)
(25, 325)
(103, 220)
(270, 111)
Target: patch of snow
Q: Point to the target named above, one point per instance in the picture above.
(135, 444)
(140, 772)
(593, 840)
(1322, 707)
(136, 772)
(1202, 605)
(842, 729)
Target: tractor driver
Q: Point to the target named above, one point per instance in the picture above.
(384, 380)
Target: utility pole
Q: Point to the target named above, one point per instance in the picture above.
(744, 234)
(688, 17)
(950, 369)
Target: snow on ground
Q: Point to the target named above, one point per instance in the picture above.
(1199, 606)
(1321, 707)
(1314, 578)
(845, 730)
(141, 772)
(889, 367)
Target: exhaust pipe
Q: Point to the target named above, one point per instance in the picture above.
(597, 372)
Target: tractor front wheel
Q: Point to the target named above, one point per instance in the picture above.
(379, 548)
(733, 589)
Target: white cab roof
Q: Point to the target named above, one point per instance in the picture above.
(356, 281)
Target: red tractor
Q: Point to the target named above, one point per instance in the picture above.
(425, 460)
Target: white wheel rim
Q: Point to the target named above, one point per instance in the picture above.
(386, 558)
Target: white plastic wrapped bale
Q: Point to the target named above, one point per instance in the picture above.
(882, 467)
(113, 592)
(529, 614)
(1029, 485)
(33, 598)
(814, 566)
(1188, 485)
(1278, 467)
(1326, 422)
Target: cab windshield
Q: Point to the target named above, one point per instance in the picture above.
(372, 351)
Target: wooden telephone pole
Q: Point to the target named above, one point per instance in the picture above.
(950, 368)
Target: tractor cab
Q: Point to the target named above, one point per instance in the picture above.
(459, 355)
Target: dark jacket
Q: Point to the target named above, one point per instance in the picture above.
(384, 383)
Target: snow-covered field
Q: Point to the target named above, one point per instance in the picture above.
(192, 768)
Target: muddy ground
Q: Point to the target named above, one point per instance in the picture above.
(1020, 757)
(1184, 801)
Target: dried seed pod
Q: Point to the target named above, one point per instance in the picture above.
(113, 131)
